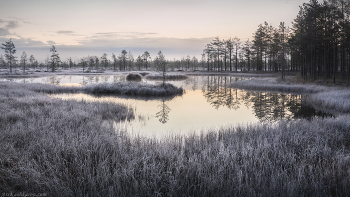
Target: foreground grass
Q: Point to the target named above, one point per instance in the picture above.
(70, 148)
(333, 98)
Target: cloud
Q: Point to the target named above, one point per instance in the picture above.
(65, 32)
(19, 19)
(4, 32)
(50, 42)
(120, 35)
(11, 25)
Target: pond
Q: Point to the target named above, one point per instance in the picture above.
(209, 103)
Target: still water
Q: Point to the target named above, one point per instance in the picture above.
(208, 104)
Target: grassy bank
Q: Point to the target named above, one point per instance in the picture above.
(119, 88)
(338, 100)
(167, 77)
(333, 98)
(271, 84)
(70, 148)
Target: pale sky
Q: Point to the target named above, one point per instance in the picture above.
(78, 28)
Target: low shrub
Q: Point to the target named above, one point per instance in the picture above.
(133, 77)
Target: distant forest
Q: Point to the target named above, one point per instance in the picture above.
(317, 45)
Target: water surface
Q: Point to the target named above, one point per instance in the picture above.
(209, 103)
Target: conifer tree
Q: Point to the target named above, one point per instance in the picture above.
(9, 48)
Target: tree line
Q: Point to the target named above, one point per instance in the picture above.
(317, 45)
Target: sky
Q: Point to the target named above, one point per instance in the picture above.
(81, 28)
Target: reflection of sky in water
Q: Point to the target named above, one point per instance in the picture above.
(208, 103)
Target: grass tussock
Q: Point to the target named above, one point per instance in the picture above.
(133, 77)
(134, 89)
(167, 77)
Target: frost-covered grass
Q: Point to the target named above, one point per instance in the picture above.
(119, 88)
(333, 98)
(133, 77)
(134, 89)
(338, 100)
(167, 77)
(71, 148)
(273, 85)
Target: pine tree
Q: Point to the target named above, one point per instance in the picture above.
(161, 66)
(9, 48)
(24, 60)
(55, 59)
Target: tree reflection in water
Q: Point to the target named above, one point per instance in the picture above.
(163, 114)
(266, 106)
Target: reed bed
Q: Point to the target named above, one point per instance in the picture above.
(167, 77)
(71, 148)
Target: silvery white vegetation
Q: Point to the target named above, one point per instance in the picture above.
(120, 88)
(338, 100)
(71, 148)
(134, 89)
(273, 85)
(322, 97)
(167, 77)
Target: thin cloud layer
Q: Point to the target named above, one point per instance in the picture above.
(64, 32)
(12, 25)
(4, 32)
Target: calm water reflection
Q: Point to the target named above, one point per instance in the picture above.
(208, 103)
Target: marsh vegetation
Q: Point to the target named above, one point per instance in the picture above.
(73, 148)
